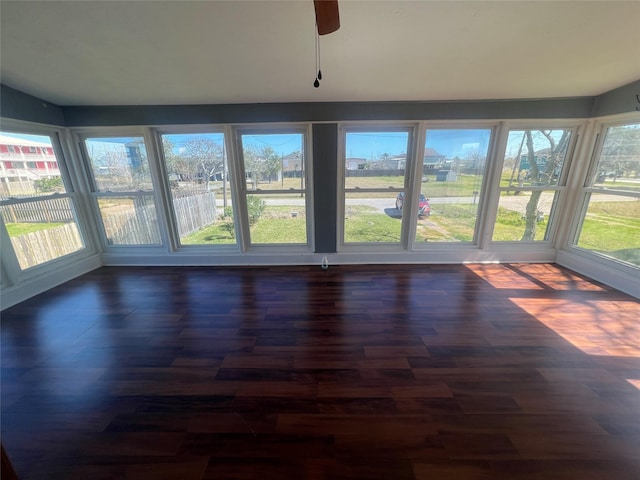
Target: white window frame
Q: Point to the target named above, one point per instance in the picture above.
(483, 197)
(172, 226)
(80, 135)
(13, 274)
(413, 131)
(235, 159)
(601, 128)
(560, 189)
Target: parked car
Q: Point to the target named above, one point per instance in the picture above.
(424, 209)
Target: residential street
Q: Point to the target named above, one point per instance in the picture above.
(512, 202)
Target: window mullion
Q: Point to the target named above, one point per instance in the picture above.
(166, 221)
(238, 191)
(413, 184)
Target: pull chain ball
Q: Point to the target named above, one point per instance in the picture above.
(316, 83)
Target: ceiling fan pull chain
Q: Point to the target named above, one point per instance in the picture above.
(316, 84)
(319, 59)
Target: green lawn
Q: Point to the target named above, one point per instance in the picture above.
(448, 223)
(609, 227)
(17, 229)
(510, 226)
(276, 225)
(213, 235)
(464, 186)
(613, 228)
(365, 224)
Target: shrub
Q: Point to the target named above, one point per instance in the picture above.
(48, 184)
(255, 208)
(229, 227)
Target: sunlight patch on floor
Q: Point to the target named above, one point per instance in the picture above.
(634, 382)
(499, 276)
(595, 327)
(535, 276)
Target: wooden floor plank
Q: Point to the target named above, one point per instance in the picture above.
(358, 372)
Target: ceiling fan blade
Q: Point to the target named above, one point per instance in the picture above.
(327, 16)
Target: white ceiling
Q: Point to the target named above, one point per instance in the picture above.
(213, 52)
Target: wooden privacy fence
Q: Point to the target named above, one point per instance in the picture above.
(50, 211)
(195, 212)
(135, 226)
(44, 245)
(139, 226)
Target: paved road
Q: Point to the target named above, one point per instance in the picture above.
(511, 202)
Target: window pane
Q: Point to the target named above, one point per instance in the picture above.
(28, 166)
(375, 159)
(534, 157)
(619, 164)
(42, 230)
(449, 222)
(612, 227)
(277, 218)
(119, 164)
(372, 217)
(196, 166)
(452, 173)
(129, 220)
(523, 216)
(274, 161)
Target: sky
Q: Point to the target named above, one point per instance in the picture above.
(361, 144)
(34, 138)
(515, 143)
(367, 144)
(450, 143)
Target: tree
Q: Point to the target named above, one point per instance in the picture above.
(554, 157)
(252, 165)
(206, 155)
(384, 161)
(621, 151)
(111, 167)
(171, 159)
(271, 162)
(53, 184)
(475, 162)
(261, 163)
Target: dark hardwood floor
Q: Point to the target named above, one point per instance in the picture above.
(358, 372)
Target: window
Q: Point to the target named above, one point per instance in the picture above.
(274, 169)
(531, 178)
(374, 176)
(122, 187)
(198, 175)
(38, 213)
(451, 184)
(610, 222)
